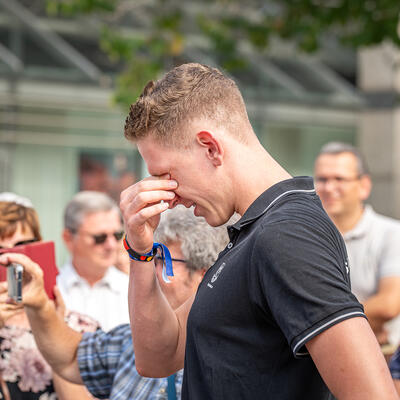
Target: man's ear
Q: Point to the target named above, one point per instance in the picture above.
(68, 238)
(212, 145)
(366, 186)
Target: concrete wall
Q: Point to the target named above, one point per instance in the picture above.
(379, 127)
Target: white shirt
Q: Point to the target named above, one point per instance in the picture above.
(106, 301)
(373, 247)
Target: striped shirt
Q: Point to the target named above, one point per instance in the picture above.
(107, 366)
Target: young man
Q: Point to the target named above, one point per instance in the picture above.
(274, 317)
(372, 240)
(89, 282)
(104, 362)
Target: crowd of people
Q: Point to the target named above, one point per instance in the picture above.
(282, 287)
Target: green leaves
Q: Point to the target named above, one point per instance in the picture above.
(132, 80)
(75, 7)
(164, 32)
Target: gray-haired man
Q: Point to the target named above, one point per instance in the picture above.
(104, 362)
(89, 282)
(372, 240)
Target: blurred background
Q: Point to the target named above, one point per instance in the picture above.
(311, 71)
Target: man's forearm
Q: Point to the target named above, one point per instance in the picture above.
(350, 362)
(56, 340)
(385, 304)
(156, 330)
(380, 308)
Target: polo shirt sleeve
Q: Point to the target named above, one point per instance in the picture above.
(304, 282)
(98, 357)
(389, 257)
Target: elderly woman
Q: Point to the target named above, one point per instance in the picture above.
(24, 372)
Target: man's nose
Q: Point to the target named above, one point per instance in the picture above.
(330, 185)
(111, 241)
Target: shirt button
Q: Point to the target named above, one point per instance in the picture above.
(230, 245)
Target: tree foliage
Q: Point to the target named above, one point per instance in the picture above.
(167, 28)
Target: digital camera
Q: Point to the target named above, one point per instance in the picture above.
(14, 281)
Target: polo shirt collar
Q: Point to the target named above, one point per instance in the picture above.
(110, 279)
(268, 198)
(363, 225)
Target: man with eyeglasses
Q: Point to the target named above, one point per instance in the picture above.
(89, 281)
(105, 361)
(372, 240)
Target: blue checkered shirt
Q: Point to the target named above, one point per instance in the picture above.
(107, 366)
(395, 365)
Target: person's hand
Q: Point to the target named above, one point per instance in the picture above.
(141, 207)
(7, 310)
(33, 293)
(382, 336)
(59, 302)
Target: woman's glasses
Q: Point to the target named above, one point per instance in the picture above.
(159, 260)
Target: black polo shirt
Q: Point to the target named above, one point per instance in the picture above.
(282, 280)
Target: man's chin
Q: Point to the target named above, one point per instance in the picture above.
(214, 222)
(106, 263)
(196, 211)
(211, 219)
(333, 212)
(331, 207)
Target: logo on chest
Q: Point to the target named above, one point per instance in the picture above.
(216, 275)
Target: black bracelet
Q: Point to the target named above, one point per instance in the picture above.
(137, 256)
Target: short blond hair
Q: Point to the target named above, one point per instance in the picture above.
(187, 92)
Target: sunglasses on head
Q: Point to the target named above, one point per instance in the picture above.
(102, 237)
(22, 242)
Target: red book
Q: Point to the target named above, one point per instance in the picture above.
(41, 253)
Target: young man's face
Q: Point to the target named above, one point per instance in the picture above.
(83, 246)
(339, 184)
(194, 174)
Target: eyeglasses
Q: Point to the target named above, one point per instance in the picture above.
(338, 180)
(159, 260)
(102, 237)
(21, 243)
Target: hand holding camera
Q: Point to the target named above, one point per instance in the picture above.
(32, 287)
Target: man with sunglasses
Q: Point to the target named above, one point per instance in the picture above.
(372, 240)
(105, 361)
(89, 281)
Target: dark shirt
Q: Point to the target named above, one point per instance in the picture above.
(282, 280)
